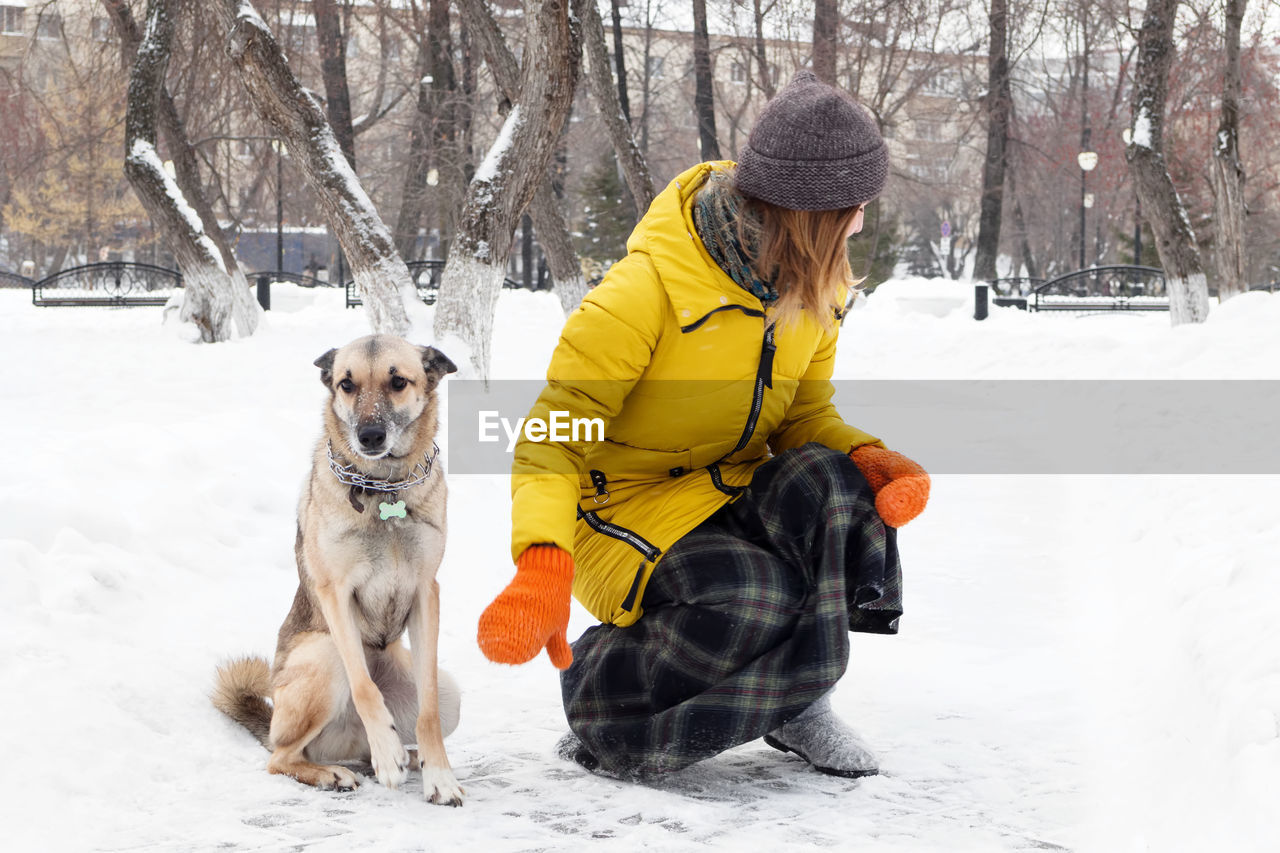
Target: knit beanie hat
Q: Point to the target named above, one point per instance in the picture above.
(813, 148)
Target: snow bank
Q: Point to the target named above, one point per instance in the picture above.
(1086, 663)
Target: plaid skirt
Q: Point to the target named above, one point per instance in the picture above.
(746, 620)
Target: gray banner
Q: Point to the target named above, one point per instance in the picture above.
(959, 427)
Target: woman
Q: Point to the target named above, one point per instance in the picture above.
(731, 529)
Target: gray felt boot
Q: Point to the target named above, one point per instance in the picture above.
(825, 741)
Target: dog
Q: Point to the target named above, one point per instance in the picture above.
(371, 533)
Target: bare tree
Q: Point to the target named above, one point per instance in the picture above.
(1175, 241)
(333, 71)
(763, 69)
(1227, 171)
(619, 58)
(826, 34)
(553, 233)
(703, 93)
(215, 299)
(186, 167)
(280, 100)
(999, 101)
(435, 126)
(510, 175)
(635, 170)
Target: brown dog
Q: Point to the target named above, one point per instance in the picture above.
(371, 532)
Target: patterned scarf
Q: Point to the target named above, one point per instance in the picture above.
(716, 211)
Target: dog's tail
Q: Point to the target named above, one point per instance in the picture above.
(240, 691)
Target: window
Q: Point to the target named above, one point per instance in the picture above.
(11, 19)
(942, 84)
(738, 72)
(101, 29)
(654, 67)
(299, 37)
(353, 46)
(49, 26)
(393, 49)
(929, 131)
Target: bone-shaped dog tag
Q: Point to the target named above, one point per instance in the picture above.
(395, 510)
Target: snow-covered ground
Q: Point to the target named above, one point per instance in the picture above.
(1086, 662)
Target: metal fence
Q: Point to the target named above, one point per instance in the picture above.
(112, 283)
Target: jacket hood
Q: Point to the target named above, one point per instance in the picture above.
(695, 284)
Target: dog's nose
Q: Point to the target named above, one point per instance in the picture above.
(372, 436)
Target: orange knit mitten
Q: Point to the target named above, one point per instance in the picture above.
(532, 612)
(901, 485)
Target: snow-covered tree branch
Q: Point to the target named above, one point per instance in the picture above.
(510, 175)
(216, 299)
(282, 102)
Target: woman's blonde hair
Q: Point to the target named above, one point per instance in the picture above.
(805, 253)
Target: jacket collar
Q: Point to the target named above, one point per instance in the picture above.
(696, 286)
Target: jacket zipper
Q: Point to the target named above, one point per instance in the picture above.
(716, 480)
(635, 540)
(764, 379)
(750, 312)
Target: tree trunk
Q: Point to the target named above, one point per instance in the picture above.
(1175, 241)
(510, 175)
(1227, 171)
(826, 30)
(619, 59)
(553, 233)
(333, 70)
(635, 171)
(704, 106)
(434, 130)
(186, 167)
(766, 80)
(280, 100)
(999, 99)
(1019, 222)
(212, 299)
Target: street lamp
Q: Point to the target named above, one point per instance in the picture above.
(278, 146)
(1088, 160)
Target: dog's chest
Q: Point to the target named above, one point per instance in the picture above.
(387, 586)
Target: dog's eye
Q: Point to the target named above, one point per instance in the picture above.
(398, 383)
(347, 386)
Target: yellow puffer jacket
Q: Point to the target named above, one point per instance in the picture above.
(694, 393)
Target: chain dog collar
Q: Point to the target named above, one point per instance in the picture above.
(359, 483)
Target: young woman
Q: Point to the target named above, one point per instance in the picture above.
(731, 529)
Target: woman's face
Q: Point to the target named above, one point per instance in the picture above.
(855, 225)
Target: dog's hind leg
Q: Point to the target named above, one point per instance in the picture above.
(393, 672)
(311, 700)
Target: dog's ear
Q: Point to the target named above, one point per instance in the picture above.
(325, 363)
(436, 362)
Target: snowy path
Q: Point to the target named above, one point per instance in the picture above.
(1067, 640)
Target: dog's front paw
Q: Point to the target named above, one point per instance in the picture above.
(389, 757)
(439, 786)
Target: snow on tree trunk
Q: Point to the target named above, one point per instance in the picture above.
(1227, 172)
(215, 300)
(173, 131)
(635, 171)
(999, 100)
(553, 233)
(1175, 240)
(506, 181)
(279, 99)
